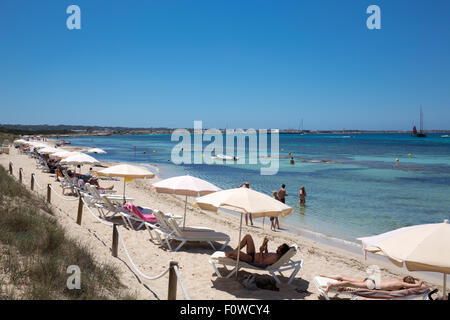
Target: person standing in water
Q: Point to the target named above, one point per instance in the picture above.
(302, 196)
(246, 185)
(282, 193)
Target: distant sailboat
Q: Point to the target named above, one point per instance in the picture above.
(420, 133)
(301, 131)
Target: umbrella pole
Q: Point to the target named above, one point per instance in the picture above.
(124, 183)
(445, 286)
(239, 248)
(184, 219)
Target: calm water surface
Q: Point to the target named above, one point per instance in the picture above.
(353, 184)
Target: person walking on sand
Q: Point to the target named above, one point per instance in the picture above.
(246, 185)
(274, 223)
(302, 196)
(282, 193)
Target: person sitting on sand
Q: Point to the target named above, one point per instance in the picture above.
(407, 282)
(262, 258)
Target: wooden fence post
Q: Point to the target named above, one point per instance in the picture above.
(49, 193)
(172, 294)
(115, 241)
(80, 209)
(20, 175)
(10, 168)
(32, 182)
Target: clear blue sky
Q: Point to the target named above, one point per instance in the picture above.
(235, 63)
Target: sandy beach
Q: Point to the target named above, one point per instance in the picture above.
(198, 277)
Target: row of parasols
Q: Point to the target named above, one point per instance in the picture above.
(419, 248)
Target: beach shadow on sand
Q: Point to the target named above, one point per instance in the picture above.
(195, 247)
(298, 289)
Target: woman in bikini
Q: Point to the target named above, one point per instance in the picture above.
(261, 258)
(407, 282)
(302, 196)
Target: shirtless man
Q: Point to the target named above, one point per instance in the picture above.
(282, 193)
(262, 258)
(387, 285)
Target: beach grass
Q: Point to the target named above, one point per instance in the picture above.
(35, 253)
(6, 135)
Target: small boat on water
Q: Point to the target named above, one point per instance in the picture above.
(420, 133)
(224, 157)
(445, 136)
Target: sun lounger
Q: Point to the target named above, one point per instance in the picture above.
(112, 198)
(132, 213)
(103, 204)
(163, 220)
(161, 227)
(111, 207)
(44, 167)
(285, 263)
(354, 293)
(70, 183)
(66, 185)
(177, 234)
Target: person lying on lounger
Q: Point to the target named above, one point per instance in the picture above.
(262, 258)
(407, 282)
(94, 181)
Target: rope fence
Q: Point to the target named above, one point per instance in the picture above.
(131, 260)
(173, 268)
(37, 183)
(109, 224)
(60, 196)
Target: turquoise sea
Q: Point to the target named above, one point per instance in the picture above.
(354, 186)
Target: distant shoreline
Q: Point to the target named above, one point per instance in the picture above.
(75, 131)
(88, 134)
(223, 132)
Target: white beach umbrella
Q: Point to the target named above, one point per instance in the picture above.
(37, 144)
(185, 186)
(79, 158)
(127, 172)
(243, 201)
(423, 247)
(63, 154)
(20, 141)
(47, 150)
(95, 150)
